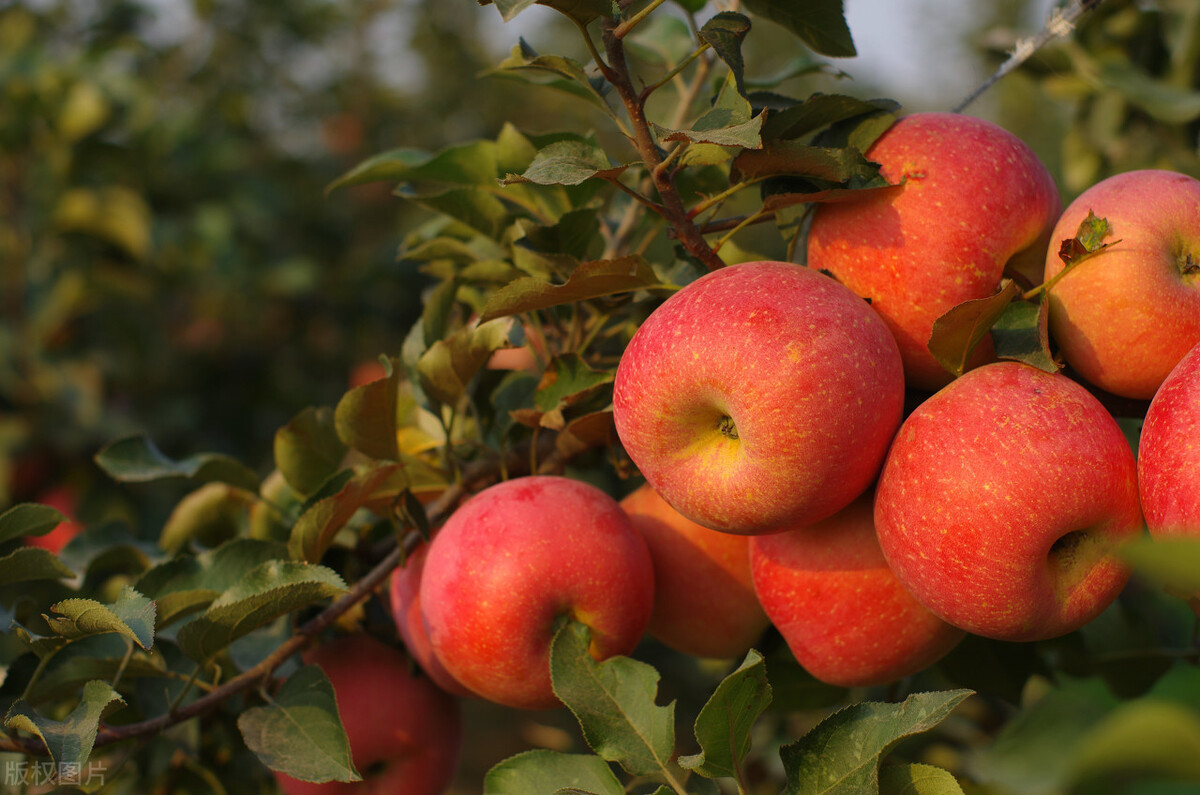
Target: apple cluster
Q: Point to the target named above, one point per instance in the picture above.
(810, 465)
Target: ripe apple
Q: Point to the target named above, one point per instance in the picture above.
(973, 199)
(1168, 456)
(405, 733)
(1127, 315)
(63, 499)
(829, 591)
(704, 602)
(515, 559)
(405, 594)
(1002, 499)
(760, 396)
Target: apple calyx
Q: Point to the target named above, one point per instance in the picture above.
(1188, 266)
(727, 427)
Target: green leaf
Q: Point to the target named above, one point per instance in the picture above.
(29, 519)
(136, 459)
(269, 591)
(582, 10)
(300, 732)
(590, 280)
(448, 366)
(322, 521)
(1172, 562)
(1146, 737)
(725, 32)
(552, 71)
(568, 163)
(614, 703)
(368, 417)
(567, 380)
(1088, 241)
(478, 208)
(1022, 334)
(185, 584)
(32, 563)
(69, 742)
(724, 724)
(917, 779)
(132, 616)
(308, 449)
(1033, 752)
(842, 754)
(836, 166)
(820, 111)
(959, 330)
(1163, 101)
(542, 772)
(821, 24)
(212, 514)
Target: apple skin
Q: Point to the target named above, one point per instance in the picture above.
(1127, 315)
(63, 499)
(511, 562)
(405, 593)
(760, 396)
(1001, 501)
(1168, 455)
(405, 733)
(974, 198)
(831, 594)
(704, 601)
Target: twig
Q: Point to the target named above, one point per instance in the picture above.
(1061, 22)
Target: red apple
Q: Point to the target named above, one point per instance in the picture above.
(831, 594)
(1168, 453)
(760, 396)
(63, 499)
(515, 559)
(1127, 315)
(704, 602)
(405, 733)
(973, 199)
(406, 610)
(1002, 499)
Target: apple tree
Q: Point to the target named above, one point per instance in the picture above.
(177, 657)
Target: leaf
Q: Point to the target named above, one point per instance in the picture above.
(321, 522)
(448, 366)
(29, 519)
(1171, 562)
(552, 71)
(69, 742)
(582, 10)
(213, 513)
(958, 332)
(725, 32)
(821, 24)
(1147, 737)
(590, 280)
(136, 459)
(32, 563)
(613, 702)
(543, 772)
(389, 166)
(724, 723)
(1022, 334)
(568, 379)
(185, 584)
(585, 433)
(917, 779)
(368, 418)
(132, 616)
(567, 163)
(788, 158)
(842, 754)
(308, 449)
(1087, 241)
(1163, 101)
(269, 591)
(300, 732)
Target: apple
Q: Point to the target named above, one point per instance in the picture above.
(405, 733)
(63, 499)
(1002, 499)
(831, 594)
(1168, 455)
(1127, 315)
(973, 199)
(704, 601)
(405, 593)
(514, 560)
(760, 396)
